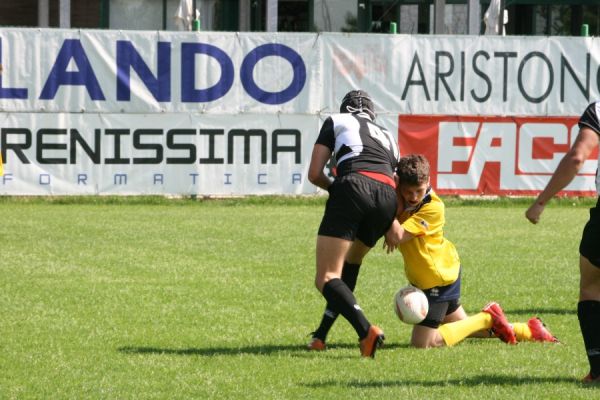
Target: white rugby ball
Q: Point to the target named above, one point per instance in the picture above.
(411, 305)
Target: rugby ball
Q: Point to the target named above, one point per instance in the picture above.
(411, 305)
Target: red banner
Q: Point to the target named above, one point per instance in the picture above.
(479, 155)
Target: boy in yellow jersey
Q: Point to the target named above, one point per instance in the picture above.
(431, 263)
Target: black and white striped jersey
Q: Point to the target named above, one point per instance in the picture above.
(358, 144)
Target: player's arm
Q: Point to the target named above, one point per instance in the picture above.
(321, 153)
(395, 236)
(400, 201)
(318, 160)
(571, 163)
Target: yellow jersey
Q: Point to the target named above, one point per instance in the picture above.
(429, 258)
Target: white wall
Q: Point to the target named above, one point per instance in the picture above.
(330, 15)
(136, 14)
(146, 14)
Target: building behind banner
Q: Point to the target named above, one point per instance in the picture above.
(523, 17)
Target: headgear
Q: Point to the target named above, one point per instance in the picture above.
(357, 101)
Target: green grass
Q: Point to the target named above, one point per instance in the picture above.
(150, 298)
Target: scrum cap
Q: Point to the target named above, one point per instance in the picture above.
(358, 101)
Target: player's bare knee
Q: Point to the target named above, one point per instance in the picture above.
(319, 283)
(321, 280)
(418, 345)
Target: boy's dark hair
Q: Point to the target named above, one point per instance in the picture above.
(413, 169)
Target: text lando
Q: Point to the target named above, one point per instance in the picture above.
(128, 58)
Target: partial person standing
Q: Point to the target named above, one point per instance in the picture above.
(588, 308)
(361, 207)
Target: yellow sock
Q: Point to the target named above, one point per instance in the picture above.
(522, 332)
(455, 332)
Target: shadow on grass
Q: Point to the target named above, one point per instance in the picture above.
(541, 311)
(477, 380)
(266, 349)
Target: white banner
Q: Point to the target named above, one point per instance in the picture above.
(465, 75)
(50, 70)
(167, 154)
(127, 71)
(102, 112)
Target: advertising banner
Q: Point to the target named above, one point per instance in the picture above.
(51, 70)
(464, 75)
(166, 154)
(91, 105)
(495, 155)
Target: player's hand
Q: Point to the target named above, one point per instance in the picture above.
(388, 247)
(392, 237)
(534, 212)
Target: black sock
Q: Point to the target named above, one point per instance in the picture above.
(341, 299)
(588, 312)
(349, 276)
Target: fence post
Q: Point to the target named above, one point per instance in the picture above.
(585, 30)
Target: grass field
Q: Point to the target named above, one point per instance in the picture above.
(180, 299)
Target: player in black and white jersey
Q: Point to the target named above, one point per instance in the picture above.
(588, 308)
(360, 209)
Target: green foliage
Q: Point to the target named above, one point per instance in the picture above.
(154, 298)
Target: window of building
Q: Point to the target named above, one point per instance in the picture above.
(293, 16)
(84, 13)
(559, 19)
(416, 16)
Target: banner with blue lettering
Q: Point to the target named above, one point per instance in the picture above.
(225, 113)
(128, 71)
(51, 70)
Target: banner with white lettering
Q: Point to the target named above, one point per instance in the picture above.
(167, 154)
(100, 111)
(475, 155)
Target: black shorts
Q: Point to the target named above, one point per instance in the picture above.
(438, 311)
(358, 207)
(588, 247)
(443, 300)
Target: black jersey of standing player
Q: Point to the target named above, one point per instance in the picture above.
(591, 119)
(358, 144)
